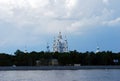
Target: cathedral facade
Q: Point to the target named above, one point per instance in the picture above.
(59, 44)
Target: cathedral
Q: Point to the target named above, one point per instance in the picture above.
(59, 44)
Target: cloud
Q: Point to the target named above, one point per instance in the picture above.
(54, 13)
(106, 2)
(34, 19)
(113, 22)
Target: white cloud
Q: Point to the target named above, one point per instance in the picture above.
(70, 4)
(113, 22)
(106, 1)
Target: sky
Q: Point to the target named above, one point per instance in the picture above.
(87, 24)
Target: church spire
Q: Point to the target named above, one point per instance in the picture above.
(48, 48)
(60, 35)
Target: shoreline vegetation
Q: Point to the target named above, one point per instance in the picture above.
(8, 68)
(50, 59)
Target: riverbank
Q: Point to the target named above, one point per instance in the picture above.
(57, 67)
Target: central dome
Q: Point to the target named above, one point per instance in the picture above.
(60, 45)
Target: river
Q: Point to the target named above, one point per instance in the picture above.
(61, 75)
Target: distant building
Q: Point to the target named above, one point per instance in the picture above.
(47, 62)
(53, 62)
(25, 49)
(77, 64)
(48, 48)
(42, 62)
(38, 62)
(60, 45)
(115, 61)
(98, 50)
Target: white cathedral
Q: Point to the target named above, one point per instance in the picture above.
(59, 44)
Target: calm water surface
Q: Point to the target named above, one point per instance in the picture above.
(61, 75)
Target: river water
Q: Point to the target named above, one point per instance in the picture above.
(61, 75)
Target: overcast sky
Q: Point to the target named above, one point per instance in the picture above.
(31, 24)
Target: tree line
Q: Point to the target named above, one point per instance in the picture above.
(20, 58)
